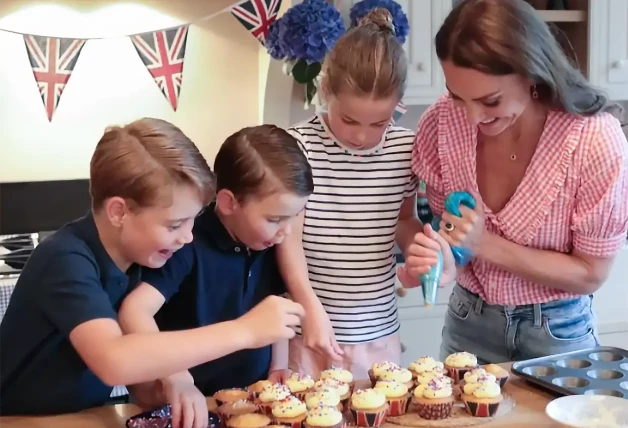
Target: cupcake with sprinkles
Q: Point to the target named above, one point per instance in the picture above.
(397, 396)
(270, 394)
(236, 408)
(228, 395)
(377, 369)
(425, 377)
(368, 407)
(434, 400)
(398, 375)
(342, 388)
(425, 364)
(324, 417)
(484, 398)
(459, 363)
(340, 374)
(299, 385)
(289, 412)
(256, 388)
(327, 397)
(249, 420)
(500, 373)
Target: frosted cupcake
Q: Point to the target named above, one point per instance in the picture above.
(228, 395)
(368, 407)
(324, 417)
(236, 408)
(459, 363)
(377, 369)
(289, 412)
(341, 387)
(398, 375)
(500, 373)
(327, 397)
(339, 374)
(484, 400)
(425, 364)
(434, 400)
(299, 385)
(250, 420)
(397, 396)
(257, 388)
(270, 394)
(425, 377)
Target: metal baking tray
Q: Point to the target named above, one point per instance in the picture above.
(596, 371)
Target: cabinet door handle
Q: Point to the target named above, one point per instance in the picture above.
(403, 348)
(419, 67)
(620, 64)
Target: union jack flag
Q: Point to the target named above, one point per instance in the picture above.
(257, 15)
(163, 53)
(52, 61)
(400, 110)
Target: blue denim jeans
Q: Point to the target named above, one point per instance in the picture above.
(498, 334)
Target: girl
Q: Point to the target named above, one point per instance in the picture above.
(364, 200)
(524, 130)
(263, 183)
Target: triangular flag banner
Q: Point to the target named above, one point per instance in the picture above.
(400, 110)
(52, 61)
(257, 15)
(163, 53)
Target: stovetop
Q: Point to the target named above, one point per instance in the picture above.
(15, 251)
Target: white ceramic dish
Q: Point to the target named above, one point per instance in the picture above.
(589, 411)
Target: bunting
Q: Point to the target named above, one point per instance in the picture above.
(163, 54)
(257, 16)
(52, 61)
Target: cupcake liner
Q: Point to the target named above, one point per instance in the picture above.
(398, 406)
(341, 424)
(369, 418)
(265, 408)
(481, 409)
(290, 424)
(434, 411)
(501, 381)
(457, 373)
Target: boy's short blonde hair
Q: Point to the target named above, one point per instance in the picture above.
(141, 160)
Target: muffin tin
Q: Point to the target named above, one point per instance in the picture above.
(597, 371)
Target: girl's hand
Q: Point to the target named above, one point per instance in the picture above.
(422, 254)
(279, 376)
(466, 231)
(318, 333)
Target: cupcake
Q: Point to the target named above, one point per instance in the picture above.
(500, 373)
(339, 374)
(459, 363)
(299, 385)
(434, 400)
(257, 388)
(249, 420)
(324, 417)
(341, 387)
(425, 364)
(289, 412)
(398, 375)
(228, 395)
(397, 396)
(436, 373)
(377, 369)
(368, 407)
(270, 394)
(328, 397)
(236, 408)
(484, 400)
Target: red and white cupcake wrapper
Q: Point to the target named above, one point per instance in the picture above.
(457, 373)
(481, 410)
(288, 424)
(369, 419)
(265, 408)
(434, 411)
(398, 406)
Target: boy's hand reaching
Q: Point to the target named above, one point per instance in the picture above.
(189, 406)
(422, 254)
(271, 320)
(279, 376)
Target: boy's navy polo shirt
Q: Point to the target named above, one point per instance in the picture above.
(211, 280)
(68, 280)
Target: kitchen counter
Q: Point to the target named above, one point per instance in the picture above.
(528, 411)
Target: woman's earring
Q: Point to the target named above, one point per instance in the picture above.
(535, 94)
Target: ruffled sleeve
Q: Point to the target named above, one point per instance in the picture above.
(600, 220)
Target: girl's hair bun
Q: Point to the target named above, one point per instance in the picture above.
(379, 18)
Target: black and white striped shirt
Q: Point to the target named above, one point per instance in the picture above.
(350, 224)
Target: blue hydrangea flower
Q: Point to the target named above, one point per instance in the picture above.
(400, 20)
(307, 31)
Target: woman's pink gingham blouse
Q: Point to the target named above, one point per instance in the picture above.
(574, 194)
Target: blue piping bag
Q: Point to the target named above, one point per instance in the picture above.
(431, 280)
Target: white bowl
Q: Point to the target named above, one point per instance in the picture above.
(594, 411)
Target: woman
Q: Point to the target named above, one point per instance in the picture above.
(527, 135)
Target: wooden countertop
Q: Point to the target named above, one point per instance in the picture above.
(529, 411)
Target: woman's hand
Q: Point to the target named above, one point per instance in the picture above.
(318, 333)
(422, 254)
(466, 231)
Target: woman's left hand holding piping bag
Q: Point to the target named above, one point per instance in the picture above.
(466, 231)
(422, 254)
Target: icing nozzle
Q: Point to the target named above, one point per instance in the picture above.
(431, 280)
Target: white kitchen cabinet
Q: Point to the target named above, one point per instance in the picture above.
(425, 77)
(608, 41)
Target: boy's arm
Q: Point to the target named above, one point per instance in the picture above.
(317, 330)
(73, 298)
